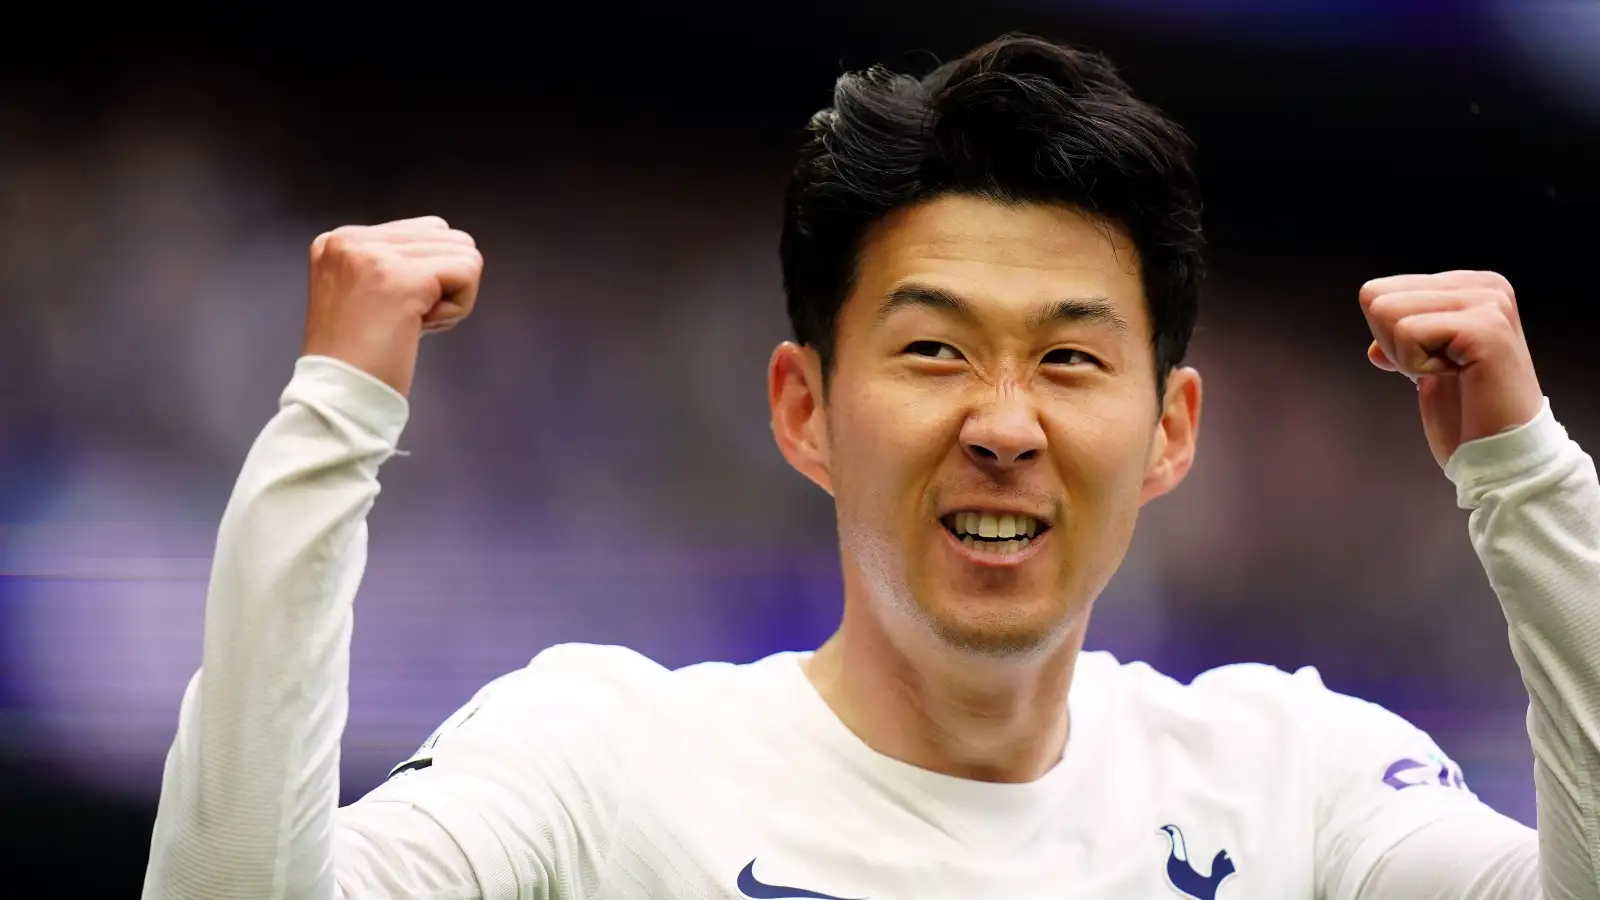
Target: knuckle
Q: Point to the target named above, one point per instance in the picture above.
(430, 224)
(1488, 297)
(335, 244)
(1508, 294)
(383, 266)
(1494, 281)
(341, 241)
(1377, 288)
(1369, 295)
(1491, 302)
(1487, 282)
(1381, 306)
(1499, 316)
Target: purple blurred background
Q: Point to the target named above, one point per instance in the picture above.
(590, 457)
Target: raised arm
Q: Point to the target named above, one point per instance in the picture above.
(1535, 524)
(251, 785)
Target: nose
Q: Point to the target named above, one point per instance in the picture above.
(1003, 433)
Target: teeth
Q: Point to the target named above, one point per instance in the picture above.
(989, 525)
(999, 548)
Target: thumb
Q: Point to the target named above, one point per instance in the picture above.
(458, 291)
(1377, 357)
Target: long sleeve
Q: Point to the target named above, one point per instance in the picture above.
(1535, 524)
(251, 784)
(514, 796)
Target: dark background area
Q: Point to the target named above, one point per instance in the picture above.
(622, 170)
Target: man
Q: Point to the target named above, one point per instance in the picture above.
(992, 275)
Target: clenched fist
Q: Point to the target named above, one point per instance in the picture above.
(376, 289)
(1459, 337)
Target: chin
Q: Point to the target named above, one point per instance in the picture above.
(1016, 631)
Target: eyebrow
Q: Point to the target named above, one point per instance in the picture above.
(1090, 310)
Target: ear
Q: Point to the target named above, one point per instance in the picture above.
(1172, 451)
(799, 411)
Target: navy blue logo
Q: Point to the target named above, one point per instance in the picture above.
(1436, 770)
(753, 888)
(1181, 873)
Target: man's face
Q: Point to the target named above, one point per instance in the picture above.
(992, 424)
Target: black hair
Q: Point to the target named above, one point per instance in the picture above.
(1018, 120)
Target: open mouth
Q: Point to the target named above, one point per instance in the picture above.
(1002, 534)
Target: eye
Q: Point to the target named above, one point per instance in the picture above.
(932, 350)
(1065, 356)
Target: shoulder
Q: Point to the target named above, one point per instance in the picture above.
(1247, 699)
(1250, 711)
(595, 687)
(1303, 696)
(1240, 686)
(567, 695)
(577, 676)
(605, 673)
(598, 667)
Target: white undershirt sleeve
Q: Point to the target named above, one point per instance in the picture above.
(1535, 524)
(251, 783)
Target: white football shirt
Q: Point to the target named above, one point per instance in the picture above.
(735, 781)
(595, 773)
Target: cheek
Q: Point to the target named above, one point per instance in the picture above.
(885, 450)
(1101, 465)
(1103, 458)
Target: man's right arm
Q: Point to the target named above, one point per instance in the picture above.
(251, 784)
(250, 792)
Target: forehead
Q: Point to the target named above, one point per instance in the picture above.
(1013, 257)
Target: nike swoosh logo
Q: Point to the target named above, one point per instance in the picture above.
(751, 887)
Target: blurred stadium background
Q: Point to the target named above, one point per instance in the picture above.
(590, 456)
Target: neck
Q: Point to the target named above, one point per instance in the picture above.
(944, 709)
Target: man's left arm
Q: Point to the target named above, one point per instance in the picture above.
(1535, 524)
